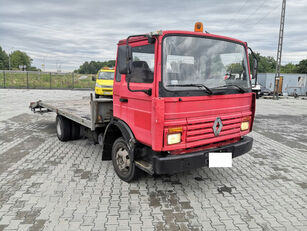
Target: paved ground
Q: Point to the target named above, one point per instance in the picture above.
(49, 185)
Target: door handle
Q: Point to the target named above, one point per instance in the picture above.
(123, 100)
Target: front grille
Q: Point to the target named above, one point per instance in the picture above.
(200, 130)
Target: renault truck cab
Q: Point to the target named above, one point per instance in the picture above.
(104, 82)
(180, 96)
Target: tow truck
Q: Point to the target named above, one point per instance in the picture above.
(173, 109)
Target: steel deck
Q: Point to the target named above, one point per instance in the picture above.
(79, 111)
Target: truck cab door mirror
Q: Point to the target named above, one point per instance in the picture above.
(255, 71)
(255, 67)
(93, 78)
(124, 59)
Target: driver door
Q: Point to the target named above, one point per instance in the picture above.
(135, 108)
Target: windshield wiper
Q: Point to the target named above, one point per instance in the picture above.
(241, 89)
(202, 86)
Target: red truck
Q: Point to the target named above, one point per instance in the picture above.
(178, 96)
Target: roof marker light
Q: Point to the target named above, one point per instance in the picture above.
(198, 27)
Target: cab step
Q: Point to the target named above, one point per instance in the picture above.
(145, 166)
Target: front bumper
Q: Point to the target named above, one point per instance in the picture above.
(177, 163)
(104, 91)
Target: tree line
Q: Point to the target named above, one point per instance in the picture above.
(267, 64)
(18, 58)
(15, 60)
(93, 67)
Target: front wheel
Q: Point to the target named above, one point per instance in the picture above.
(257, 95)
(97, 96)
(122, 161)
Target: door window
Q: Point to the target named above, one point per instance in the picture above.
(143, 64)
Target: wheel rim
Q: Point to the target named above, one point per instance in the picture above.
(58, 128)
(123, 160)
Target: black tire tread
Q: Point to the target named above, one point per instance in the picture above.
(65, 128)
(75, 130)
(135, 172)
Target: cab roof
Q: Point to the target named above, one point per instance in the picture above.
(163, 33)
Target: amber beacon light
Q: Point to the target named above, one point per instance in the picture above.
(198, 27)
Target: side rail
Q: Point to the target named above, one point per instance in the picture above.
(36, 107)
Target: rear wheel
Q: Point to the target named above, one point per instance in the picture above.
(63, 128)
(123, 162)
(75, 130)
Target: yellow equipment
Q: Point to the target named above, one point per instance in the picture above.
(104, 82)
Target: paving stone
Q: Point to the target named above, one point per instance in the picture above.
(55, 185)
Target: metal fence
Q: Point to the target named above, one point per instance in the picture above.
(45, 80)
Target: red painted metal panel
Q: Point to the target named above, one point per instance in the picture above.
(235, 131)
(200, 114)
(149, 117)
(213, 140)
(191, 132)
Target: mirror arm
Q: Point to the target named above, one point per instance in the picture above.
(150, 37)
(146, 91)
(137, 35)
(253, 54)
(128, 56)
(150, 40)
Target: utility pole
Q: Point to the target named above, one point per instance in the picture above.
(279, 49)
(10, 53)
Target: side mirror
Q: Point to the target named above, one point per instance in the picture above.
(255, 67)
(255, 70)
(93, 78)
(124, 59)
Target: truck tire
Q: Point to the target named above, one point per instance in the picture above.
(63, 128)
(257, 94)
(75, 130)
(121, 156)
(96, 96)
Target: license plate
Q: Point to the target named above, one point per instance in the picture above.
(107, 93)
(220, 159)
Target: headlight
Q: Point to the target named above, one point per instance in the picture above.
(173, 138)
(244, 125)
(97, 85)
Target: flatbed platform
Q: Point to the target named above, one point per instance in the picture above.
(90, 113)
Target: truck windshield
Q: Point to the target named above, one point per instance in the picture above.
(217, 64)
(106, 75)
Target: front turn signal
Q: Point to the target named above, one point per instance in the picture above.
(175, 130)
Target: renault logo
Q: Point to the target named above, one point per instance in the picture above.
(217, 126)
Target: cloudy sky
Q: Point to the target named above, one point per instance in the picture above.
(65, 33)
